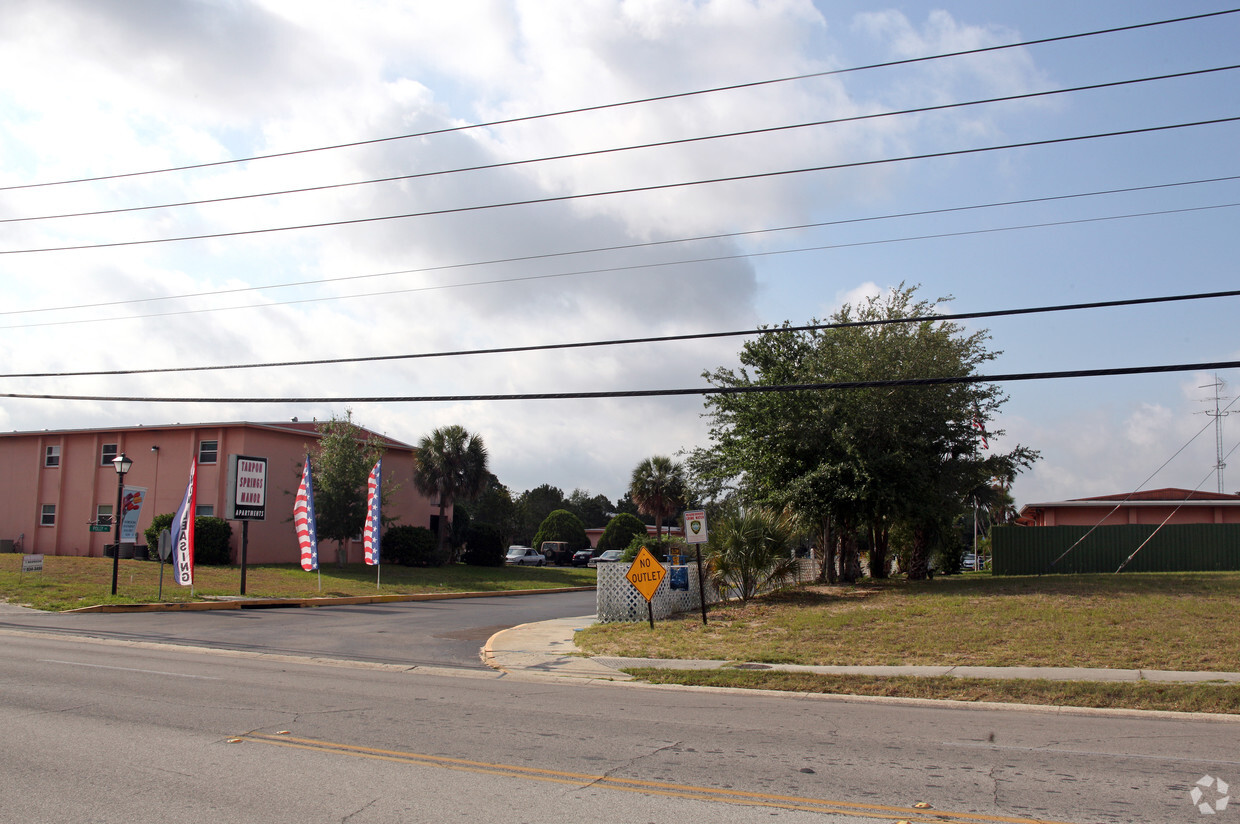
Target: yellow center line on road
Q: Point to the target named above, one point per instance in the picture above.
(660, 788)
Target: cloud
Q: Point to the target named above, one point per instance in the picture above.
(103, 87)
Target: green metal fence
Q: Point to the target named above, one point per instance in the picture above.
(1019, 550)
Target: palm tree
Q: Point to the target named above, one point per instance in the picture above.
(749, 551)
(658, 489)
(451, 464)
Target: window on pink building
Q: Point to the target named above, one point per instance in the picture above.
(48, 516)
(52, 456)
(107, 454)
(208, 452)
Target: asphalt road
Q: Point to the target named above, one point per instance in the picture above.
(446, 633)
(108, 731)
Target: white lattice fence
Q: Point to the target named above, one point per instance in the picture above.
(618, 600)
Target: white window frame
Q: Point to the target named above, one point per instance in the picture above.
(47, 515)
(104, 460)
(214, 451)
(204, 511)
(51, 456)
(101, 516)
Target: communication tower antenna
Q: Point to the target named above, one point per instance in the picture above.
(1218, 414)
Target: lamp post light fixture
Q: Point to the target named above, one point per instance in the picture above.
(122, 465)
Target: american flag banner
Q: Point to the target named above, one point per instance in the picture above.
(303, 521)
(981, 429)
(182, 531)
(370, 535)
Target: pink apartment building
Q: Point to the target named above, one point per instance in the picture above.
(55, 484)
(1181, 506)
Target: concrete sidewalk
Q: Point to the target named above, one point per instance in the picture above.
(546, 648)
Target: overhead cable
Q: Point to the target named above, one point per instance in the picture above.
(656, 393)
(636, 101)
(762, 330)
(623, 268)
(597, 249)
(613, 150)
(631, 190)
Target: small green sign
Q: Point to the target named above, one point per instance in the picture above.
(100, 528)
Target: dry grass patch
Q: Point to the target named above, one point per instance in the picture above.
(1167, 621)
(1220, 698)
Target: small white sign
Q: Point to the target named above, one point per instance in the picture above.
(695, 526)
(32, 563)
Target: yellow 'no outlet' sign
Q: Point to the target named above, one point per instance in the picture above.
(646, 573)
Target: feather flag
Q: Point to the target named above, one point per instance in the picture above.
(370, 535)
(182, 531)
(981, 430)
(303, 521)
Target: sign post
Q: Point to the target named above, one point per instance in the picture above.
(164, 548)
(247, 498)
(645, 575)
(695, 533)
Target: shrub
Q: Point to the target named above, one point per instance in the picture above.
(620, 531)
(562, 525)
(411, 546)
(484, 545)
(212, 538)
(158, 524)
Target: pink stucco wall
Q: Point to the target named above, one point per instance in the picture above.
(161, 459)
(1107, 514)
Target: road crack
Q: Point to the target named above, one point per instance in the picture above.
(360, 809)
(626, 765)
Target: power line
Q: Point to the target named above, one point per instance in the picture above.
(657, 393)
(937, 318)
(614, 150)
(634, 102)
(632, 190)
(597, 249)
(628, 267)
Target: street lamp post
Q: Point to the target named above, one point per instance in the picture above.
(122, 465)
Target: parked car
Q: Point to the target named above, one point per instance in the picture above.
(556, 552)
(582, 557)
(969, 562)
(608, 557)
(524, 556)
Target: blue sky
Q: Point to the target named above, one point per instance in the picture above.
(96, 88)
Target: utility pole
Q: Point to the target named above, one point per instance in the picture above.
(1218, 414)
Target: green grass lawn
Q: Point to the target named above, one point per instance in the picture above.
(71, 582)
(1146, 695)
(1186, 621)
(1183, 621)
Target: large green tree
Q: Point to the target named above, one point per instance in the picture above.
(495, 506)
(658, 488)
(451, 465)
(341, 463)
(535, 505)
(874, 452)
(594, 511)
